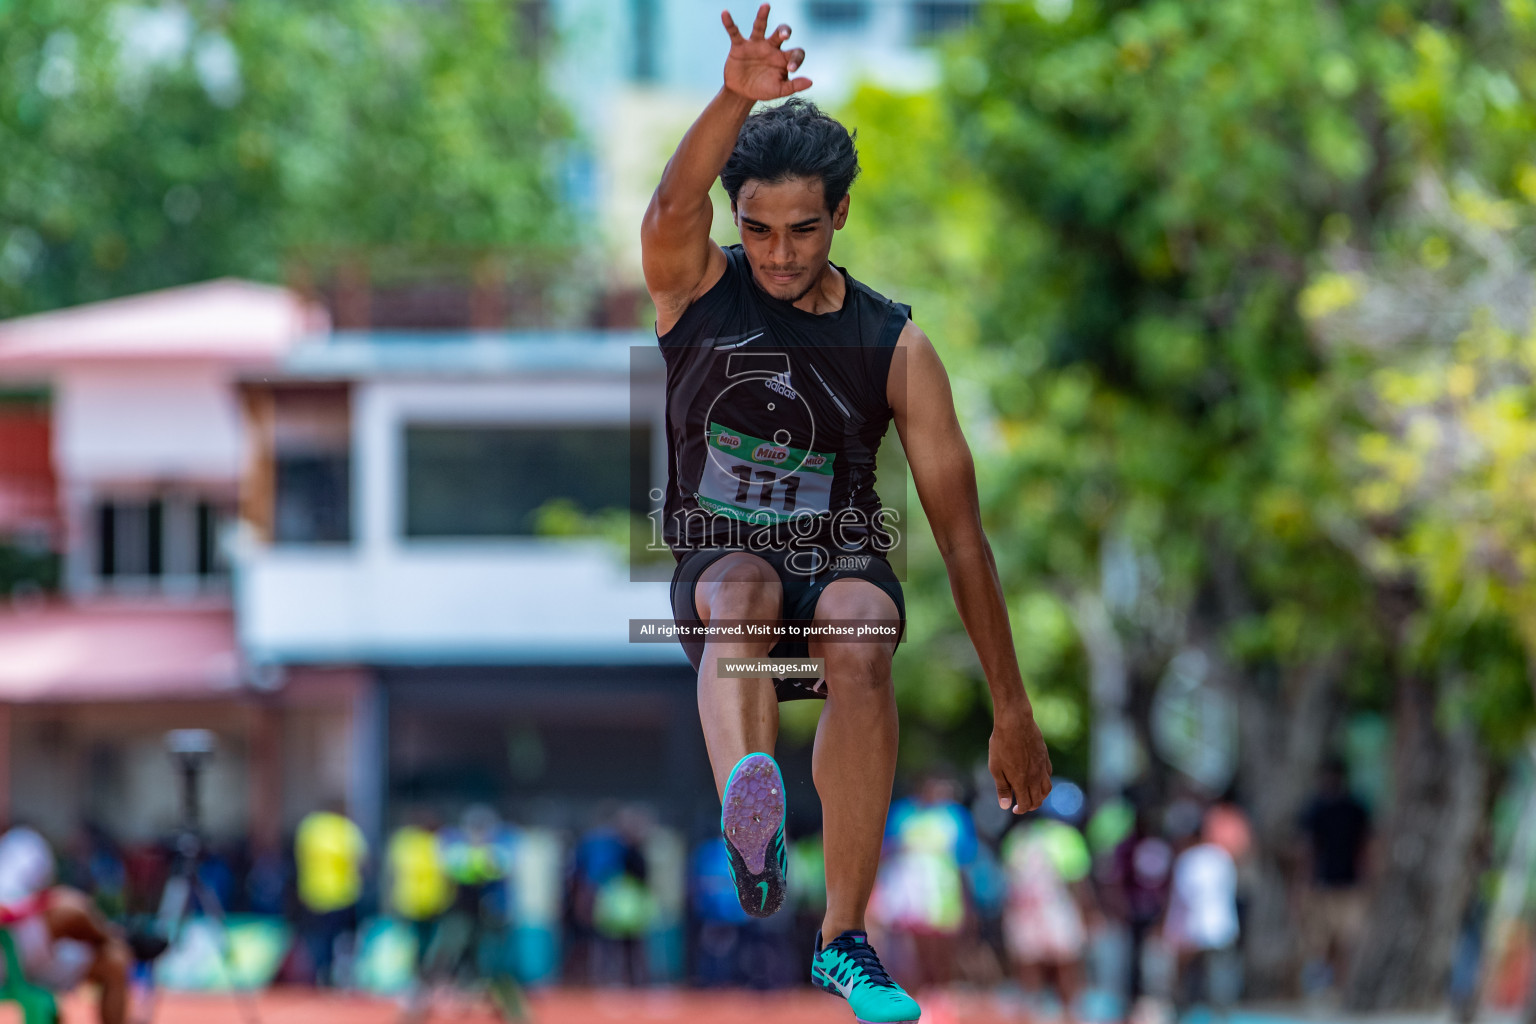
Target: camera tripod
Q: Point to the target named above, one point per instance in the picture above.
(186, 887)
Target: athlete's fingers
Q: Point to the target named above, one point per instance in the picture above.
(1026, 797)
(730, 27)
(796, 85)
(1038, 792)
(1004, 790)
(760, 23)
(779, 35)
(796, 58)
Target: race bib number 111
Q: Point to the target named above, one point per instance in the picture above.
(758, 481)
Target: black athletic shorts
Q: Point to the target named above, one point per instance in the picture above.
(801, 592)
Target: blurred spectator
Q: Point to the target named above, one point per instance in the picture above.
(1201, 922)
(1337, 828)
(93, 864)
(623, 908)
(218, 874)
(1110, 825)
(477, 857)
(419, 892)
(1467, 983)
(1227, 826)
(717, 910)
(1047, 862)
(267, 881)
(1136, 891)
(983, 954)
(920, 892)
(147, 867)
(61, 938)
(597, 857)
(330, 853)
(733, 949)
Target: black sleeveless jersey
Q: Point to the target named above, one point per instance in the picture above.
(775, 415)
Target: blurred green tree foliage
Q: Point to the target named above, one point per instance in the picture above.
(1431, 337)
(152, 145)
(1116, 210)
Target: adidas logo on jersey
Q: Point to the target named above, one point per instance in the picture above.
(780, 382)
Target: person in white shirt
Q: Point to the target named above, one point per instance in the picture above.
(1201, 922)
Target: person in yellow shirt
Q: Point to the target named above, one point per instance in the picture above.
(330, 854)
(419, 892)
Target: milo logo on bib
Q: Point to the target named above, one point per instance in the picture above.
(770, 453)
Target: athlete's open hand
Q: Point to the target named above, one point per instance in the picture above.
(757, 68)
(1018, 760)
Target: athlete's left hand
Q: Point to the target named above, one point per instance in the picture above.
(1017, 758)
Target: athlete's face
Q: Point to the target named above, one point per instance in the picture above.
(786, 231)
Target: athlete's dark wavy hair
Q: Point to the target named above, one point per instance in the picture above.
(793, 140)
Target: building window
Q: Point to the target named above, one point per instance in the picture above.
(162, 537)
(130, 541)
(313, 503)
(480, 481)
(312, 466)
(933, 18)
(209, 557)
(837, 15)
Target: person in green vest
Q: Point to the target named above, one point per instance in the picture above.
(330, 854)
(478, 859)
(622, 915)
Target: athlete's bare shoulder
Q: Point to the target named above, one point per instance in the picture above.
(912, 337)
(915, 361)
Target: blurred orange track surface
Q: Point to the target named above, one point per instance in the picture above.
(561, 1006)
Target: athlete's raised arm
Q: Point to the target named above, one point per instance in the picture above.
(680, 261)
(945, 475)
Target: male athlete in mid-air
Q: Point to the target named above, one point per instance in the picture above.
(783, 374)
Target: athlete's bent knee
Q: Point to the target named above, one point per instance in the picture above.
(744, 572)
(860, 670)
(739, 587)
